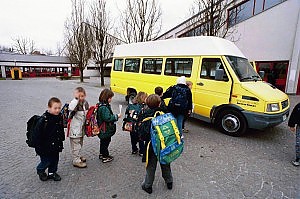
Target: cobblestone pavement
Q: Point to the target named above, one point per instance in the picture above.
(213, 165)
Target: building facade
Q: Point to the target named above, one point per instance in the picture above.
(266, 31)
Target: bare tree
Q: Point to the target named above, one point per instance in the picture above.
(60, 49)
(140, 21)
(78, 36)
(103, 42)
(210, 17)
(24, 45)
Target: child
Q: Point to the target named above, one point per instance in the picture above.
(295, 121)
(131, 115)
(153, 103)
(105, 114)
(78, 107)
(190, 85)
(159, 91)
(48, 137)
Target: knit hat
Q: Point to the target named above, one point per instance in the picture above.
(181, 80)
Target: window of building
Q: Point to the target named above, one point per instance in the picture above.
(132, 65)
(271, 3)
(179, 66)
(152, 65)
(209, 66)
(258, 8)
(118, 64)
(249, 8)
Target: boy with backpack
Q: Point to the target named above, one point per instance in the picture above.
(78, 108)
(47, 137)
(294, 124)
(160, 91)
(153, 102)
(180, 103)
(132, 114)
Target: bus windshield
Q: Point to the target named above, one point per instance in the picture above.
(243, 69)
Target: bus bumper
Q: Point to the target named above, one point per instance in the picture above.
(262, 121)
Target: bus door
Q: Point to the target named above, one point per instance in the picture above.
(210, 92)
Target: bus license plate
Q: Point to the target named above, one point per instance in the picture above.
(284, 118)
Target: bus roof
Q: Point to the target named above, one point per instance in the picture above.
(188, 46)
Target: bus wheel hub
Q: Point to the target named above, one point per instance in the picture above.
(230, 123)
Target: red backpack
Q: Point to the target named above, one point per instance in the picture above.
(91, 125)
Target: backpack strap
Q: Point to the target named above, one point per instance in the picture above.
(176, 131)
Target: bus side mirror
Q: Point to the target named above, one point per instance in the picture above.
(219, 74)
(261, 73)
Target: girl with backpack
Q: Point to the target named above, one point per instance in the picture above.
(105, 114)
(132, 113)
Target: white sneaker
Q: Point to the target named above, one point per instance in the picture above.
(296, 163)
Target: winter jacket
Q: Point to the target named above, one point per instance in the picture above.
(295, 116)
(144, 127)
(78, 120)
(105, 114)
(48, 135)
(169, 93)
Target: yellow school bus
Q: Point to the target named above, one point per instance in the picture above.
(227, 91)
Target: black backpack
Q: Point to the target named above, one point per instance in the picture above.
(179, 100)
(31, 124)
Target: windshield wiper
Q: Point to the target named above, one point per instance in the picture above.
(246, 78)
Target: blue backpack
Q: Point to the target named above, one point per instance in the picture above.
(178, 100)
(166, 141)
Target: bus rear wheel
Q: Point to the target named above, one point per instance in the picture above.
(232, 122)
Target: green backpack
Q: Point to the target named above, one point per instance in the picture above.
(165, 137)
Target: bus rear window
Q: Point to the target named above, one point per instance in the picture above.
(118, 64)
(132, 65)
(179, 67)
(152, 65)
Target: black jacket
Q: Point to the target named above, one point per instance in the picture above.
(144, 128)
(48, 135)
(169, 92)
(295, 116)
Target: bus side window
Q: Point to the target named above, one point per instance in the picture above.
(179, 67)
(209, 66)
(152, 65)
(132, 65)
(118, 64)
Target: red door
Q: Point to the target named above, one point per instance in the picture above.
(275, 73)
(298, 87)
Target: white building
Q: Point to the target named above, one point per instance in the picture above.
(267, 32)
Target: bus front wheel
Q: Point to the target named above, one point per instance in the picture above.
(232, 122)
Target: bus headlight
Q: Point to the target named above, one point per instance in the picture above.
(273, 107)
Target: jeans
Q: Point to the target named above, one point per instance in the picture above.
(179, 119)
(134, 140)
(297, 146)
(151, 168)
(104, 143)
(50, 162)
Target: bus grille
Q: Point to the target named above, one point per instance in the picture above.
(284, 104)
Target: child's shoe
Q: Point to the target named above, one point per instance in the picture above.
(54, 176)
(134, 152)
(43, 176)
(185, 130)
(296, 163)
(107, 159)
(100, 156)
(148, 190)
(83, 159)
(170, 185)
(80, 164)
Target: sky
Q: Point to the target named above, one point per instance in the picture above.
(43, 20)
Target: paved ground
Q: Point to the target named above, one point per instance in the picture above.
(213, 165)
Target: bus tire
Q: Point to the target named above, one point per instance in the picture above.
(232, 122)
